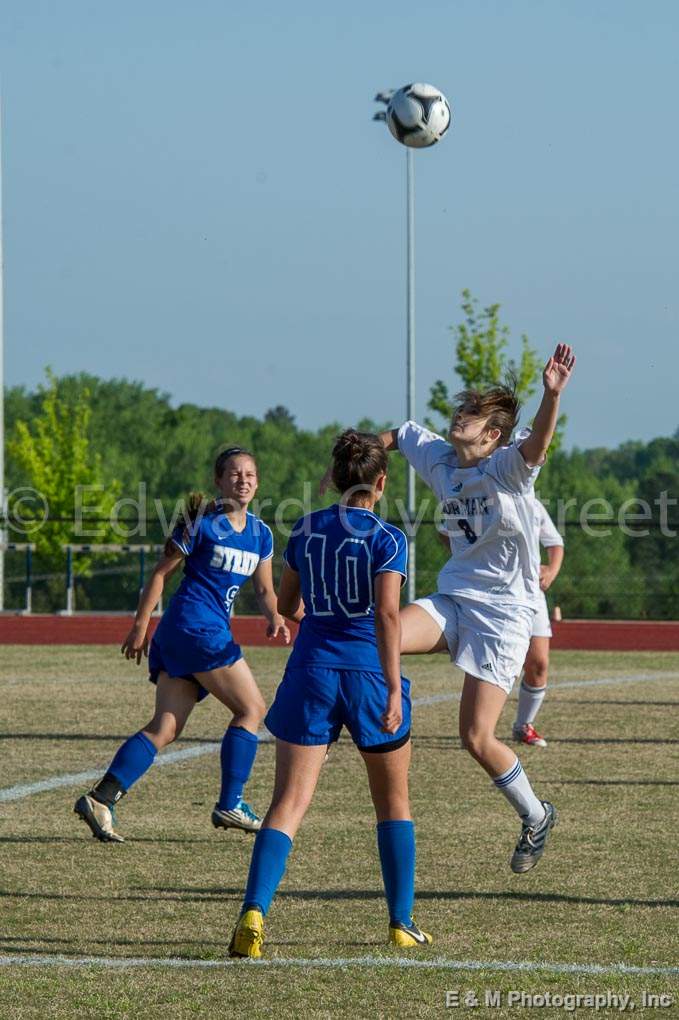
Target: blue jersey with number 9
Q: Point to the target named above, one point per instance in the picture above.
(338, 553)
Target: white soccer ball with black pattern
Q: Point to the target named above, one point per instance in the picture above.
(418, 115)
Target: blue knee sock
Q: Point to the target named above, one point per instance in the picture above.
(396, 843)
(267, 867)
(132, 760)
(239, 748)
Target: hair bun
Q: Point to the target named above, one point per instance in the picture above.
(358, 459)
(350, 445)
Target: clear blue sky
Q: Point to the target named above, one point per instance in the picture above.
(195, 196)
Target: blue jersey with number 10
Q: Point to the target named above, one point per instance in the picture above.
(338, 552)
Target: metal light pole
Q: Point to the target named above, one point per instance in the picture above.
(410, 361)
(384, 97)
(3, 533)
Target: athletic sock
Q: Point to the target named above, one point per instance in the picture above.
(239, 748)
(530, 700)
(131, 761)
(518, 791)
(108, 790)
(267, 867)
(396, 844)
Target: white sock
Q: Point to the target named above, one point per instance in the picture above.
(518, 791)
(530, 700)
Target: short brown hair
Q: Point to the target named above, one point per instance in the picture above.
(358, 459)
(499, 404)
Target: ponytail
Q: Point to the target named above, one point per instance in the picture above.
(196, 506)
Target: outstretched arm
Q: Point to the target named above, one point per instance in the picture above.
(390, 440)
(555, 378)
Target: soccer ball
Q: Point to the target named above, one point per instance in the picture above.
(418, 115)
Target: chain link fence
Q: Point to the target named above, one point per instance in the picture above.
(608, 573)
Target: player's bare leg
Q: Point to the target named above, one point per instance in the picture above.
(480, 709)
(235, 687)
(175, 700)
(298, 767)
(420, 633)
(388, 781)
(532, 692)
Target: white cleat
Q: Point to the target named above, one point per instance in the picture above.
(99, 817)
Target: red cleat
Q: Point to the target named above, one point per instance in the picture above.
(527, 734)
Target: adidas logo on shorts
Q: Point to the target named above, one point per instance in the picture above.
(487, 665)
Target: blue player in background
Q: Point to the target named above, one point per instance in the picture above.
(193, 653)
(342, 579)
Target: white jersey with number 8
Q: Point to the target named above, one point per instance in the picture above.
(489, 513)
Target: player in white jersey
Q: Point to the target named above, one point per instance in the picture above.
(533, 684)
(488, 592)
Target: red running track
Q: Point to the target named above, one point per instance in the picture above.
(95, 629)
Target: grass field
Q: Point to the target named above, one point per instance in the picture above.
(604, 894)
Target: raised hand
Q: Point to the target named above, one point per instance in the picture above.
(558, 369)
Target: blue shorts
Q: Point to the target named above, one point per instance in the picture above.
(313, 703)
(181, 653)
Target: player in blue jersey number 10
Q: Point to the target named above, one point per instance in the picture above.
(193, 653)
(342, 580)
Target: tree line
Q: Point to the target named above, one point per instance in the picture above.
(126, 442)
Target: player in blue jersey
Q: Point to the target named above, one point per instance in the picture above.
(342, 579)
(193, 653)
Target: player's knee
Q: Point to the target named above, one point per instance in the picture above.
(162, 732)
(252, 714)
(260, 707)
(535, 671)
(392, 808)
(287, 811)
(476, 740)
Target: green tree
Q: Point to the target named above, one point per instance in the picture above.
(53, 454)
(599, 576)
(481, 358)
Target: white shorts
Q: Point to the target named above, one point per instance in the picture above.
(541, 625)
(487, 641)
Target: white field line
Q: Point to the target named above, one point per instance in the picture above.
(606, 681)
(78, 778)
(12, 793)
(438, 963)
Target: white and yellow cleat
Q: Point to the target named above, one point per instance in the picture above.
(406, 936)
(248, 938)
(99, 817)
(240, 816)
